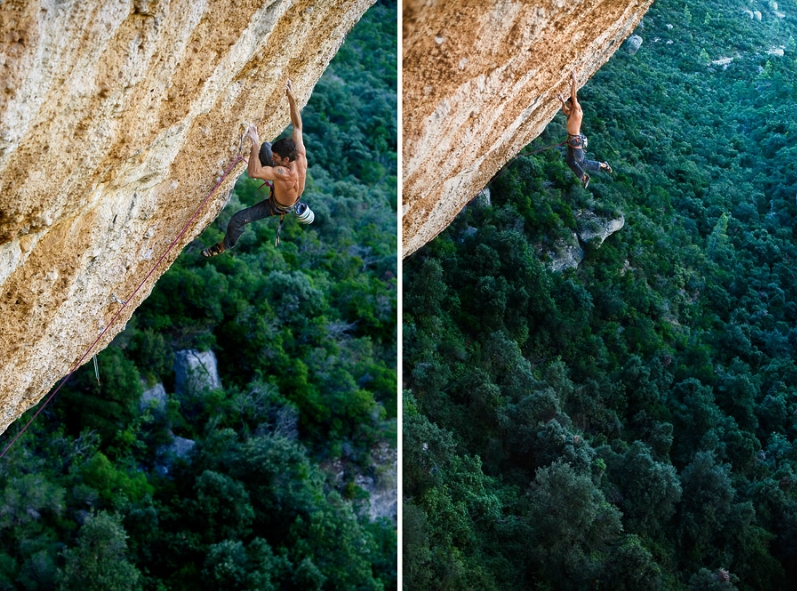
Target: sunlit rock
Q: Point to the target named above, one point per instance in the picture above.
(480, 82)
(116, 120)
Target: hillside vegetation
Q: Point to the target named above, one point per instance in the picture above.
(305, 336)
(628, 424)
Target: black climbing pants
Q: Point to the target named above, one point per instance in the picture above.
(577, 158)
(258, 211)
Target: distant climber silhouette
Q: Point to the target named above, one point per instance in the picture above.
(284, 168)
(576, 141)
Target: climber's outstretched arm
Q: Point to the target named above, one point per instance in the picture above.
(296, 119)
(573, 89)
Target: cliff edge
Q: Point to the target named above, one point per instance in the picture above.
(116, 120)
(480, 82)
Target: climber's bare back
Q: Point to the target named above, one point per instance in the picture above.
(289, 179)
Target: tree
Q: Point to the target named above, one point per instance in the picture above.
(339, 547)
(99, 560)
(706, 502)
(573, 526)
(231, 566)
(223, 506)
(650, 489)
(718, 580)
(631, 567)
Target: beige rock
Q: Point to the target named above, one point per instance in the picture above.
(592, 226)
(117, 118)
(480, 82)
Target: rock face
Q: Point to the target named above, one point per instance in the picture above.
(382, 486)
(154, 397)
(181, 447)
(116, 121)
(592, 226)
(633, 44)
(568, 253)
(480, 82)
(195, 372)
(379, 480)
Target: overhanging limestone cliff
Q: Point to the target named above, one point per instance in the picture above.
(479, 83)
(116, 120)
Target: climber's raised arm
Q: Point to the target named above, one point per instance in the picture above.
(296, 120)
(574, 90)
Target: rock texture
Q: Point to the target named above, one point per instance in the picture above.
(591, 226)
(568, 253)
(379, 480)
(116, 121)
(480, 82)
(154, 397)
(195, 372)
(633, 44)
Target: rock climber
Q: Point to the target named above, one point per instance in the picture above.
(284, 167)
(576, 142)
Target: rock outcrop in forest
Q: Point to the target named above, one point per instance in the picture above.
(116, 121)
(480, 82)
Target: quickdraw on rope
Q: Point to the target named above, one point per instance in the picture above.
(279, 229)
(238, 159)
(96, 370)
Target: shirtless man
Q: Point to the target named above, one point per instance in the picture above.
(284, 165)
(576, 142)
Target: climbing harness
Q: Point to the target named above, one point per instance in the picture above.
(577, 141)
(235, 163)
(302, 212)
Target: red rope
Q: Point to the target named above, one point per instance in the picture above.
(547, 148)
(238, 159)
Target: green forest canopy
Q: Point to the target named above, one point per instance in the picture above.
(628, 424)
(305, 335)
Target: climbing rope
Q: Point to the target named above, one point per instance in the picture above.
(562, 143)
(238, 159)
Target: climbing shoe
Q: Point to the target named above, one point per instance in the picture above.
(266, 157)
(213, 250)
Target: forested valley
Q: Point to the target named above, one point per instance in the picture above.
(254, 484)
(629, 423)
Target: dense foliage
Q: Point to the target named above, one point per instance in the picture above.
(629, 424)
(96, 496)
